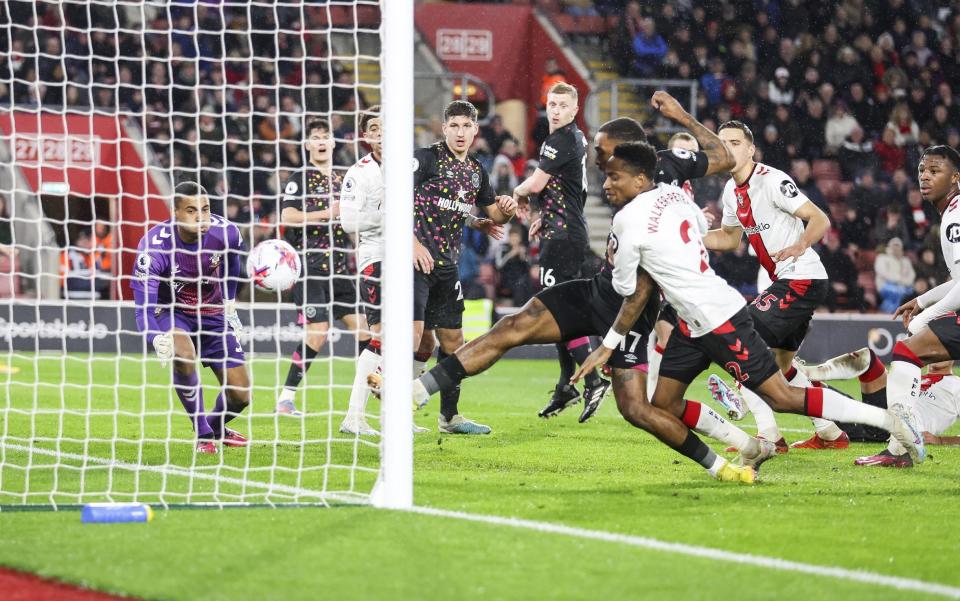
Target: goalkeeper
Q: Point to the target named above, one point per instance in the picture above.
(185, 282)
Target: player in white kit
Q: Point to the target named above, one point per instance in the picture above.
(781, 225)
(660, 231)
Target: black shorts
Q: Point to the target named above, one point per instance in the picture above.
(735, 345)
(667, 313)
(438, 299)
(782, 312)
(560, 261)
(370, 292)
(947, 330)
(316, 295)
(579, 311)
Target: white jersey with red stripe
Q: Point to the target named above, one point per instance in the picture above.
(661, 231)
(764, 207)
(939, 405)
(950, 237)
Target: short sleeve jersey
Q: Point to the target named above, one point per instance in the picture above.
(445, 190)
(323, 246)
(563, 156)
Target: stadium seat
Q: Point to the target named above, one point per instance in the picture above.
(826, 169)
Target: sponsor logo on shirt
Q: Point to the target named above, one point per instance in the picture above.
(549, 151)
(953, 232)
(788, 189)
(760, 227)
(454, 205)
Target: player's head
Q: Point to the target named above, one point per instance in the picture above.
(320, 142)
(371, 128)
(562, 105)
(629, 171)
(938, 173)
(616, 132)
(739, 139)
(683, 141)
(191, 209)
(460, 126)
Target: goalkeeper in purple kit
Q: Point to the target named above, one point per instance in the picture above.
(185, 283)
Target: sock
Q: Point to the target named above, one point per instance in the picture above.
(191, 397)
(367, 363)
(825, 429)
(830, 404)
(697, 450)
(299, 364)
(654, 356)
(706, 421)
(903, 380)
(766, 422)
(875, 370)
(221, 415)
(362, 344)
(567, 365)
(445, 374)
(877, 399)
(580, 349)
(450, 396)
(420, 363)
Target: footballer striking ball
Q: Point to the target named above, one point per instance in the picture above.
(274, 266)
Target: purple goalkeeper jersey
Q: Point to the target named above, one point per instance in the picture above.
(191, 278)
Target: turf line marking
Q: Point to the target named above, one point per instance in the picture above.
(861, 576)
(172, 470)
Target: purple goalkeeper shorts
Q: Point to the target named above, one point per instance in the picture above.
(213, 339)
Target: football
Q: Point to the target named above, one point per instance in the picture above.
(273, 265)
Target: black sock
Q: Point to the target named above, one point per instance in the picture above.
(877, 399)
(580, 355)
(449, 396)
(697, 450)
(299, 365)
(361, 344)
(444, 375)
(568, 366)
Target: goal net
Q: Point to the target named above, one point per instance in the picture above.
(104, 108)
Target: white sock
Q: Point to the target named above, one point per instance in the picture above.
(763, 414)
(653, 365)
(903, 384)
(420, 394)
(718, 464)
(288, 394)
(826, 429)
(710, 423)
(839, 408)
(367, 363)
(418, 367)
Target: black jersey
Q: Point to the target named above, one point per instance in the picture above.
(323, 246)
(445, 190)
(564, 156)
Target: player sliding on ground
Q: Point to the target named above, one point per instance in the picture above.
(185, 282)
(659, 230)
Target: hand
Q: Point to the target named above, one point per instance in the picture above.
(507, 205)
(668, 106)
(523, 211)
(794, 251)
(535, 229)
(596, 359)
(908, 311)
(422, 259)
(334, 211)
(929, 438)
(708, 215)
(489, 227)
(233, 320)
(163, 345)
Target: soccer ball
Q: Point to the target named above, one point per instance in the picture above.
(274, 266)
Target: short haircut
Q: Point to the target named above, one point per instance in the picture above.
(624, 129)
(680, 135)
(639, 157)
(369, 115)
(947, 152)
(187, 189)
(562, 87)
(460, 108)
(318, 124)
(740, 125)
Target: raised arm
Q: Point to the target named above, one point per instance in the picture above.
(720, 159)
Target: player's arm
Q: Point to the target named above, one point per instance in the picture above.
(232, 277)
(719, 157)
(724, 238)
(291, 206)
(817, 225)
(151, 270)
(532, 185)
(355, 213)
(950, 303)
(950, 441)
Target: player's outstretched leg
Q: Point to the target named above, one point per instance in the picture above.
(534, 324)
(315, 334)
(629, 391)
(186, 383)
(450, 420)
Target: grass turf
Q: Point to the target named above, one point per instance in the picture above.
(813, 507)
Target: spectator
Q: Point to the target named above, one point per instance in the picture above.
(839, 126)
(856, 155)
(713, 83)
(503, 178)
(895, 276)
(845, 291)
(104, 247)
(868, 198)
(864, 110)
(511, 151)
(813, 124)
(905, 129)
(892, 226)
(931, 268)
(892, 156)
(621, 40)
(772, 148)
(789, 129)
(649, 49)
(800, 171)
(854, 230)
(919, 218)
(80, 277)
(552, 74)
(739, 269)
(939, 125)
(496, 133)
(514, 265)
(780, 91)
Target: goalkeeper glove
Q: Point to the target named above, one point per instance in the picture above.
(230, 312)
(163, 345)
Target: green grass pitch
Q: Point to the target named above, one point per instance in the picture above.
(812, 507)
